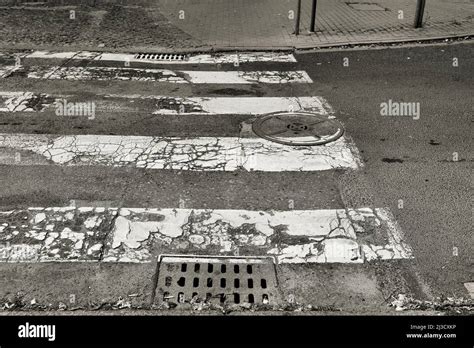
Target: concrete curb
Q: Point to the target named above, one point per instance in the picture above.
(468, 36)
(252, 48)
(219, 49)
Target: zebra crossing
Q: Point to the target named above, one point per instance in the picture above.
(77, 233)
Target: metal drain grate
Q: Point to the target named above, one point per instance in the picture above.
(217, 280)
(160, 56)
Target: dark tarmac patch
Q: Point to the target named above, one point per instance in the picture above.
(233, 91)
(434, 143)
(392, 160)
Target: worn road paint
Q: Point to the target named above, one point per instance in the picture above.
(140, 234)
(246, 77)
(233, 105)
(470, 289)
(190, 154)
(63, 55)
(217, 259)
(7, 70)
(219, 58)
(24, 101)
(158, 75)
(165, 105)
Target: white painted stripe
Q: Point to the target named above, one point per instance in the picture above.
(194, 154)
(63, 55)
(164, 75)
(235, 105)
(18, 101)
(24, 101)
(214, 259)
(219, 58)
(139, 234)
(251, 57)
(7, 70)
(245, 77)
(395, 237)
(470, 288)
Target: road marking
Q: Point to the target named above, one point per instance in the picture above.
(6, 70)
(158, 75)
(238, 105)
(62, 55)
(190, 154)
(470, 288)
(140, 234)
(24, 101)
(246, 77)
(166, 105)
(218, 58)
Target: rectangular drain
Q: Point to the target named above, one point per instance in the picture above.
(217, 280)
(160, 56)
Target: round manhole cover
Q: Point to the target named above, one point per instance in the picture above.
(298, 128)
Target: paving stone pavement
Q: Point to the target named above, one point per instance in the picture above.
(270, 22)
(183, 24)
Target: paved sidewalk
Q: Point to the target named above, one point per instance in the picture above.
(269, 22)
(167, 25)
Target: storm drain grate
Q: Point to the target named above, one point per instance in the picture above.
(160, 56)
(217, 280)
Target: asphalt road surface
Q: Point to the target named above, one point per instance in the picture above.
(402, 182)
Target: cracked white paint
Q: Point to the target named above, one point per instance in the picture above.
(239, 105)
(132, 233)
(230, 58)
(7, 70)
(52, 234)
(221, 58)
(195, 154)
(21, 101)
(328, 251)
(470, 288)
(63, 55)
(396, 247)
(18, 101)
(163, 75)
(139, 234)
(103, 74)
(246, 77)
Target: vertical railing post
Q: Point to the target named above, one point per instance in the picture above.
(420, 10)
(298, 18)
(313, 16)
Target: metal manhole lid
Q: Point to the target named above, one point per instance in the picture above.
(298, 128)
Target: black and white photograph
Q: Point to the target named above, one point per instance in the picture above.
(249, 172)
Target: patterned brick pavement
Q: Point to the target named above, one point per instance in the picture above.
(179, 24)
(270, 22)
